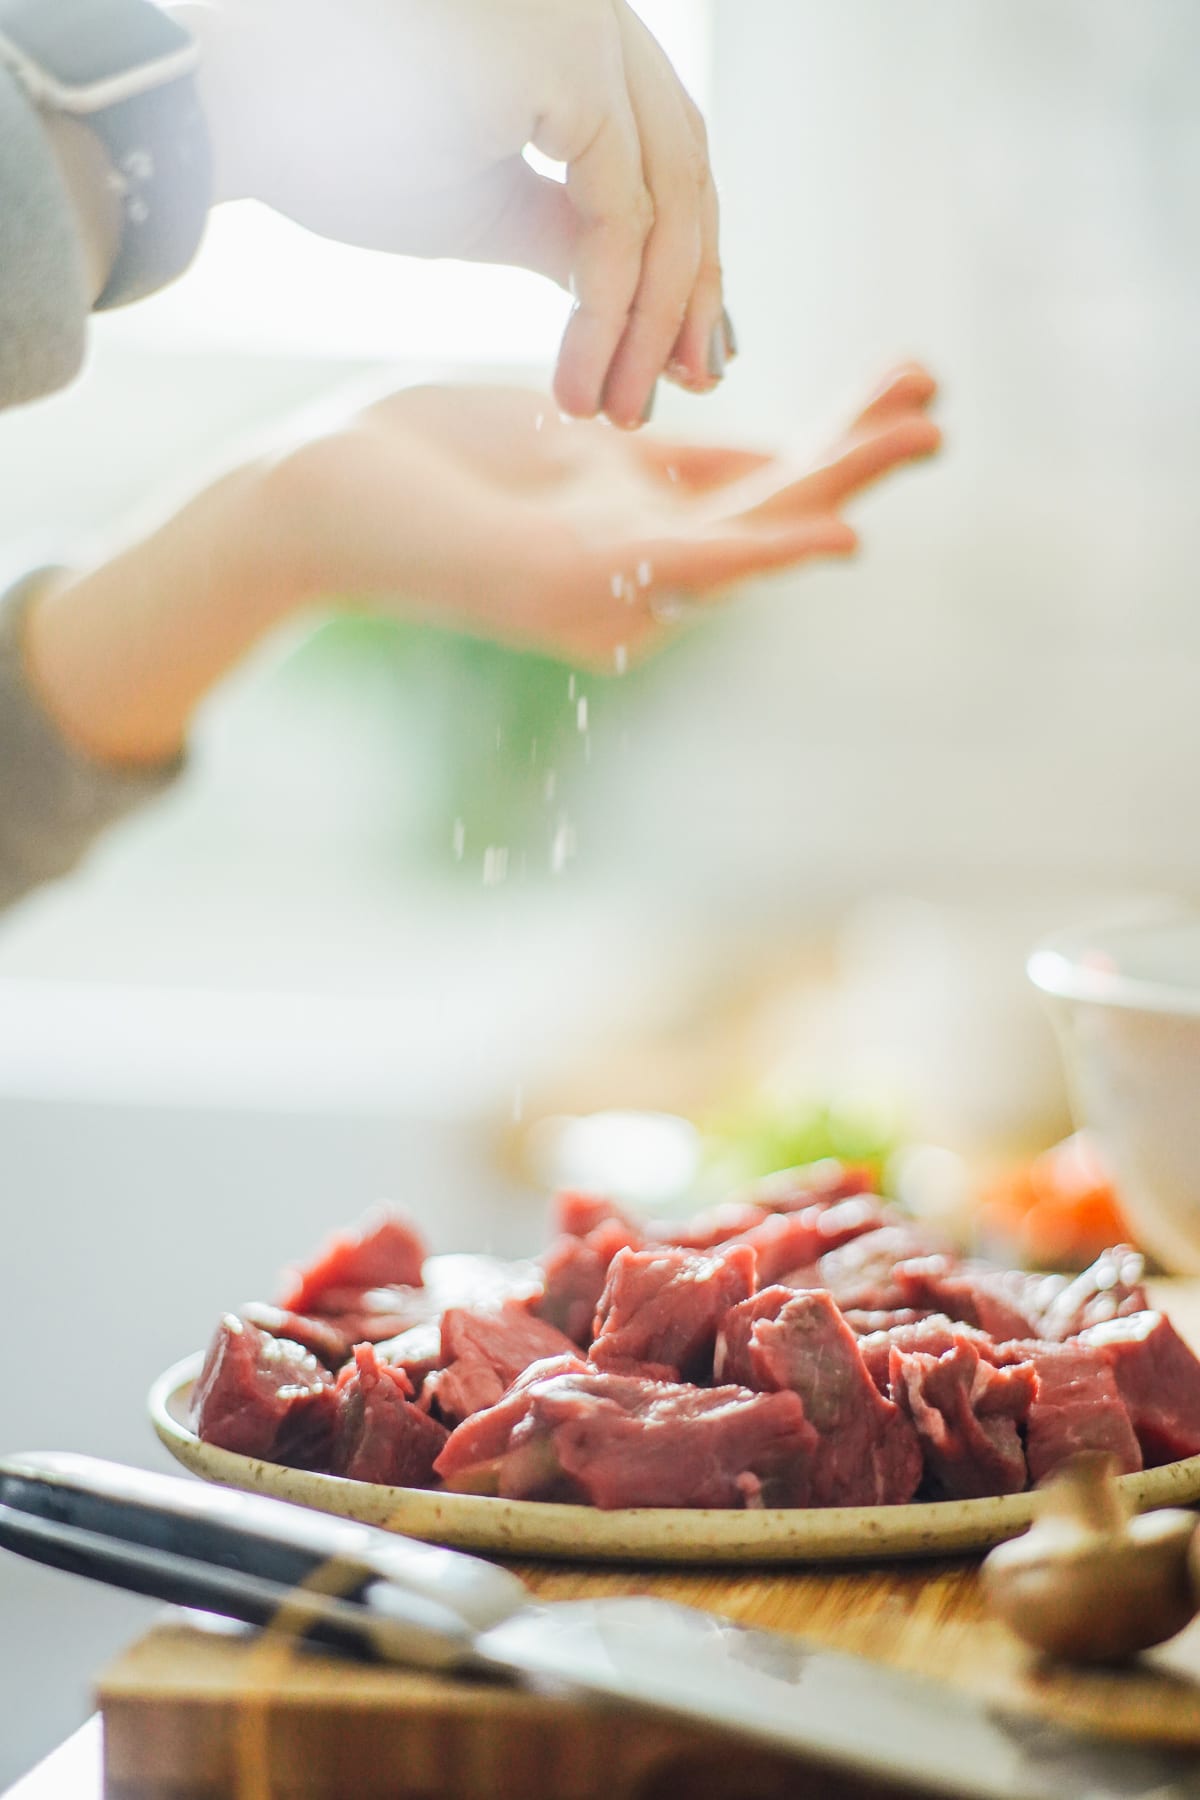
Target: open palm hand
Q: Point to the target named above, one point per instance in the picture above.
(483, 509)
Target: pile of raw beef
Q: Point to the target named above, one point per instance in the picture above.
(805, 1345)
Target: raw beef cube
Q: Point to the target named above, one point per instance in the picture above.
(484, 1352)
(811, 1184)
(858, 1273)
(475, 1448)
(578, 1215)
(575, 1267)
(1158, 1378)
(368, 1316)
(664, 1306)
(869, 1454)
(418, 1351)
(617, 1440)
(932, 1334)
(732, 1361)
(379, 1435)
(263, 1396)
(386, 1251)
(575, 1271)
(787, 1241)
(866, 1323)
(705, 1230)
(376, 1314)
(1110, 1289)
(967, 1415)
(782, 1242)
(328, 1343)
(847, 1220)
(1076, 1407)
(985, 1297)
(575, 1275)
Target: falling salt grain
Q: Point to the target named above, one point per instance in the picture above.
(672, 472)
(562, 849)
(620, 659)
(617, 585)
(645, 574)
(460, 839)
(669, 608)
(495, 865)
(581, 713)
(571, 687)
(539, 421)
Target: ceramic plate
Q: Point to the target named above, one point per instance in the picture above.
(644, 1534)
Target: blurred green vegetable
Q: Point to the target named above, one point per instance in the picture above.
(764, 1135)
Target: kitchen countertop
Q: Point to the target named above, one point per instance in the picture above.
(73, 1772)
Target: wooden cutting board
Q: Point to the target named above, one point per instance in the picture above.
(191, 1714)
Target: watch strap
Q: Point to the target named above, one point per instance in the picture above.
(158, 145)
(126, 69)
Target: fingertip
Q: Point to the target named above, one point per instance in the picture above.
(909, 384)
(935, 438)
(571, 394)
(627, 414)
(895, 440)
(916, 381)
(922, 437)
(700, 354)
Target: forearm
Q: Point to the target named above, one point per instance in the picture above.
(121, 655)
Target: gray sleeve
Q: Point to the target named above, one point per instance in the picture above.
(54, 800)
(43, 282)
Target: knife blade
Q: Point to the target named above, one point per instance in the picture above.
(360, 1588)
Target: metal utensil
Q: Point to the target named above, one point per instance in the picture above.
(357, 1587)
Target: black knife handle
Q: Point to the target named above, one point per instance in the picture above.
(250, 1556)
(166, 1575)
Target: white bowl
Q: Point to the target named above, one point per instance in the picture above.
(1126, 1002)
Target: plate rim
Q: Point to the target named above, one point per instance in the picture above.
(646, 1535)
